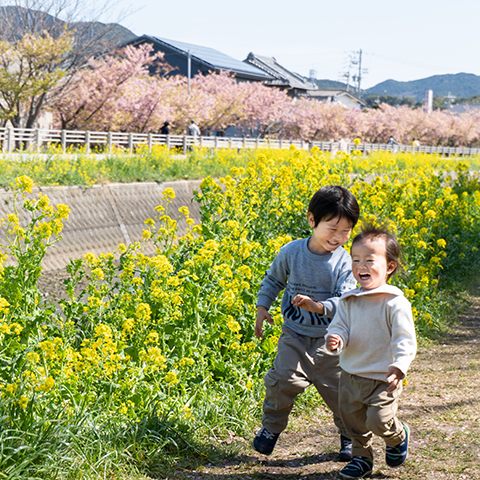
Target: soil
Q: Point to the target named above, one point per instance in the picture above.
(440, 403)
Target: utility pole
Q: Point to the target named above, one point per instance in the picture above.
(357, 60)
(347, 76)
(359, 81)
(189, 69)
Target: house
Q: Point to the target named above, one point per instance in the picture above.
(460, 108)
(293, 83)
(339, 97)
(202, 60)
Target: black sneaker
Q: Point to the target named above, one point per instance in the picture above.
(265, 441)
(359, 467)
(396, 456)
(345, 453)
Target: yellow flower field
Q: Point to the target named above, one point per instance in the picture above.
(155, 347)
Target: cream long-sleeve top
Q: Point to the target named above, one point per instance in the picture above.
(376, 330)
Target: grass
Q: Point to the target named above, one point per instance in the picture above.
(161, 165)
(85, 170)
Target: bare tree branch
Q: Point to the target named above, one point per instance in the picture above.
(55, 18)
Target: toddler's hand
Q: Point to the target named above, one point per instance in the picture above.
(305, 302)
(262, 315)
(394, 376)
(332, 342)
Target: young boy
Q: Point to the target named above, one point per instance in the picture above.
(314, 272)
(374, 333)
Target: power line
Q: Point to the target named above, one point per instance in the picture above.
(355, 63)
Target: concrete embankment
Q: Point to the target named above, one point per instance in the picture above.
(103, 216)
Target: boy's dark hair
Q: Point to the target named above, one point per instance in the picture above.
(392, 247)
(334, 201)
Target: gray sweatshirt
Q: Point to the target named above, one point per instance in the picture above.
(298, 271)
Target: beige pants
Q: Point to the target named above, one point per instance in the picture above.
(367, 408)
(300, 361)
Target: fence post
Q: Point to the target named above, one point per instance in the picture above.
(63, 141)
(10, 136)
(149, 143)
(216, 143)
(37, 139)
(130, 143)
(87, 141)
(168, 142)
(109, 141)
(184, 144)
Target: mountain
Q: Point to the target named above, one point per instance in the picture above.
(459, 85)
(15, 21)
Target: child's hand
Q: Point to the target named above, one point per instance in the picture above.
(262, 315)
(308, 304)
(332, 342)
(394, 376)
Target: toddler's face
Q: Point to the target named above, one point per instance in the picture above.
(328, 235)
(369, 262)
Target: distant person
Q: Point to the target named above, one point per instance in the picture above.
(374, 334)
(415, 143)
(193, 129)
(165, 130)
(391, 141)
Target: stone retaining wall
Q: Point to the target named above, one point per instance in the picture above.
(104, 216)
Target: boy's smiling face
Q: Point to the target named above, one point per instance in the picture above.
(328, 235)
(369, 262)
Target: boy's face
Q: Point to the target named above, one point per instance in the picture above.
(369, 262)
(328, 235)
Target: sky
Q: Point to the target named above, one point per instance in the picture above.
(403, 41)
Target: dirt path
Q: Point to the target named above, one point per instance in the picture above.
(441, 404)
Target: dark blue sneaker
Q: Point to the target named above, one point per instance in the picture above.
(265, 441)
(359, 467)
(345, 453)
(396, 456)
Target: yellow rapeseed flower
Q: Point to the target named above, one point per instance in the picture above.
(168, 193)
(63, 211)
(47, 385)
(23, 184)
(171, 378)
(23, 402)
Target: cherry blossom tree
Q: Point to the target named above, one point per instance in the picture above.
(110, 92)
(117, 92)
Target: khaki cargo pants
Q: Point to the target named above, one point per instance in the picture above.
(300, 362)
(366, 409)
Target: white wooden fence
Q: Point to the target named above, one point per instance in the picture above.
(34, 140)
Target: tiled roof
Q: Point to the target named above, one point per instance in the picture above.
(334, 94)
(282, 76)
(459, 108)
